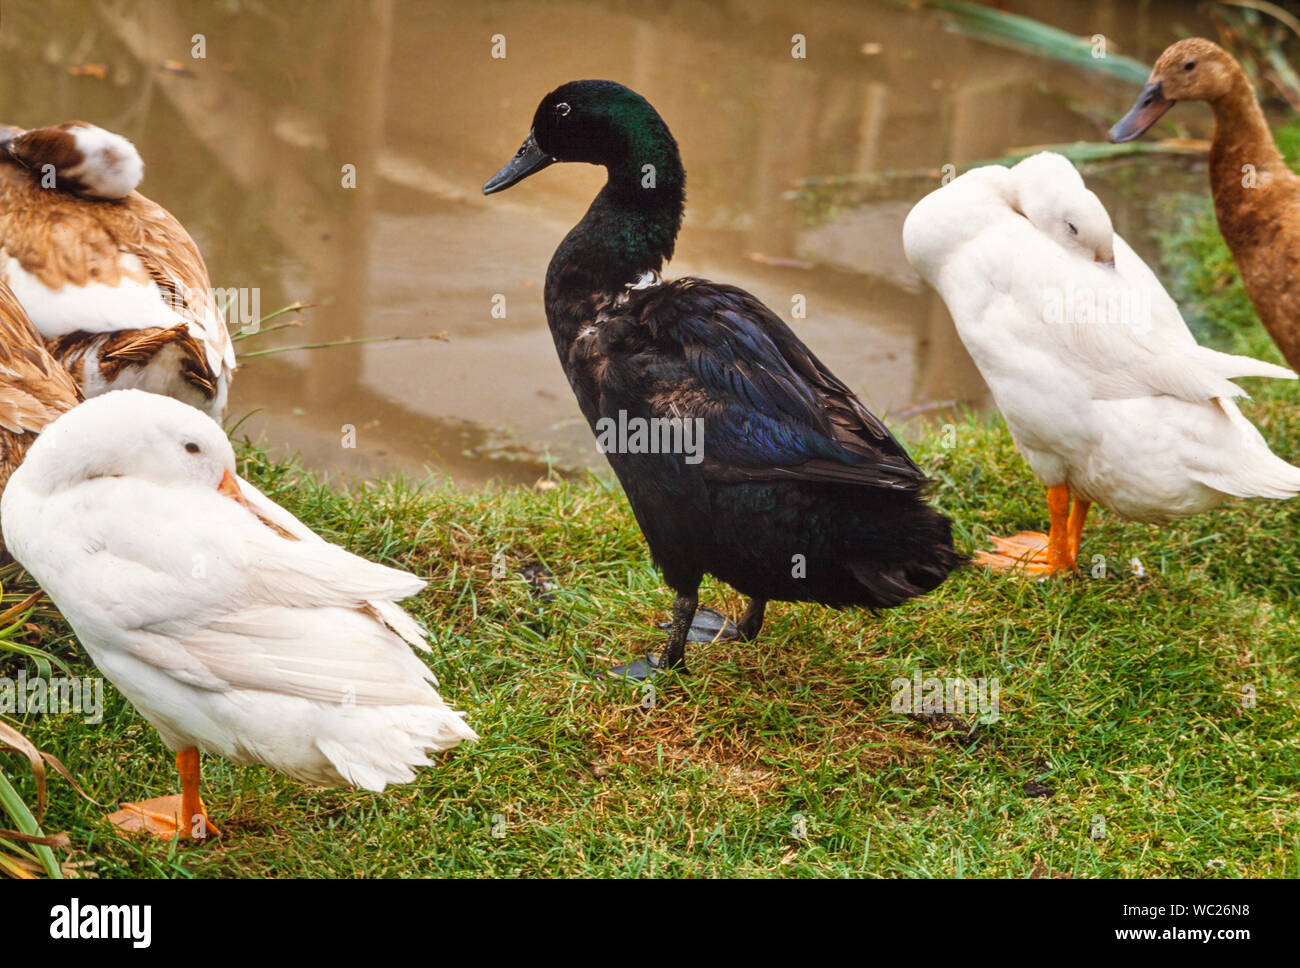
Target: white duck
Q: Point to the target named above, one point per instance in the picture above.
(229, 625)
(113, 283)
(1105, 390)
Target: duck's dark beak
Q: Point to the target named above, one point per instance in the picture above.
(527, 160)
(1150, 105)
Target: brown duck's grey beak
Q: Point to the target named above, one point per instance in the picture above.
(1150, 105)
(528, 160)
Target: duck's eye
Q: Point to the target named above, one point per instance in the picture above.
(562, 109)
(1073, 230)
(192, 447)
(1189, 65)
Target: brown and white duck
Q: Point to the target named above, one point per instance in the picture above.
(110, 279)
(34, 388)
(1256, 196)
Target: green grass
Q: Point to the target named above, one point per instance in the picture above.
(1124, 695)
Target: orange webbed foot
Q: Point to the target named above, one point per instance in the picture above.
(180, 814)
(162, 818)
(1029, 552)
(1035, 553)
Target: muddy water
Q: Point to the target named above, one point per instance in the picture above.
(247, 146)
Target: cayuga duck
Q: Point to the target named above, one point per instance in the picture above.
(1256, 196)
(1105, 390)
(111, 281)
(230, 625)
(790, 490)
(34, 388)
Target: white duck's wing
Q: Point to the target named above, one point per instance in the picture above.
(1167, 323)
(1164, 316)
(1117, 331)
(218, 599)
(325, 654)
(280, 520)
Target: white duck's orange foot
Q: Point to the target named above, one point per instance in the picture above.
(1029, 552)
(161, 817)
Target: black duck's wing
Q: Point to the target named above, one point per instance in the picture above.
(771, 410)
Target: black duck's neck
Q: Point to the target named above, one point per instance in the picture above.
(629, 229)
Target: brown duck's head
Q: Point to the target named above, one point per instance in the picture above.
(1190, 70)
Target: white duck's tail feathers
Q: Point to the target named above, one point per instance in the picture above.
(1189, 375)
(85, 159)
(1196, 373)
(1231, 367)
(1250, 469)
(398, 620)
(386, 745)
(1269, 477)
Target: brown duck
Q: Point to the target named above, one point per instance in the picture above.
(111, 281)
(1256, 196)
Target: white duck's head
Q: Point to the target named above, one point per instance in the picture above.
(1051, 194)
(133, 434)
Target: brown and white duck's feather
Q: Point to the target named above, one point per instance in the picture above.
(116, 287)
(34, 388)
(77, 157)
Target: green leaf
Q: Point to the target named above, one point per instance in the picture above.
(1029, 36)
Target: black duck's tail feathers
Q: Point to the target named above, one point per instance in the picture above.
(916, 558)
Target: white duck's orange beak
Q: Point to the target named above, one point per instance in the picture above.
(230, 488)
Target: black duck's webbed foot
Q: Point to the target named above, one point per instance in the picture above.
(751, 623)
(688, 625)
(638, 669)
(708, 625)
(674, 654)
